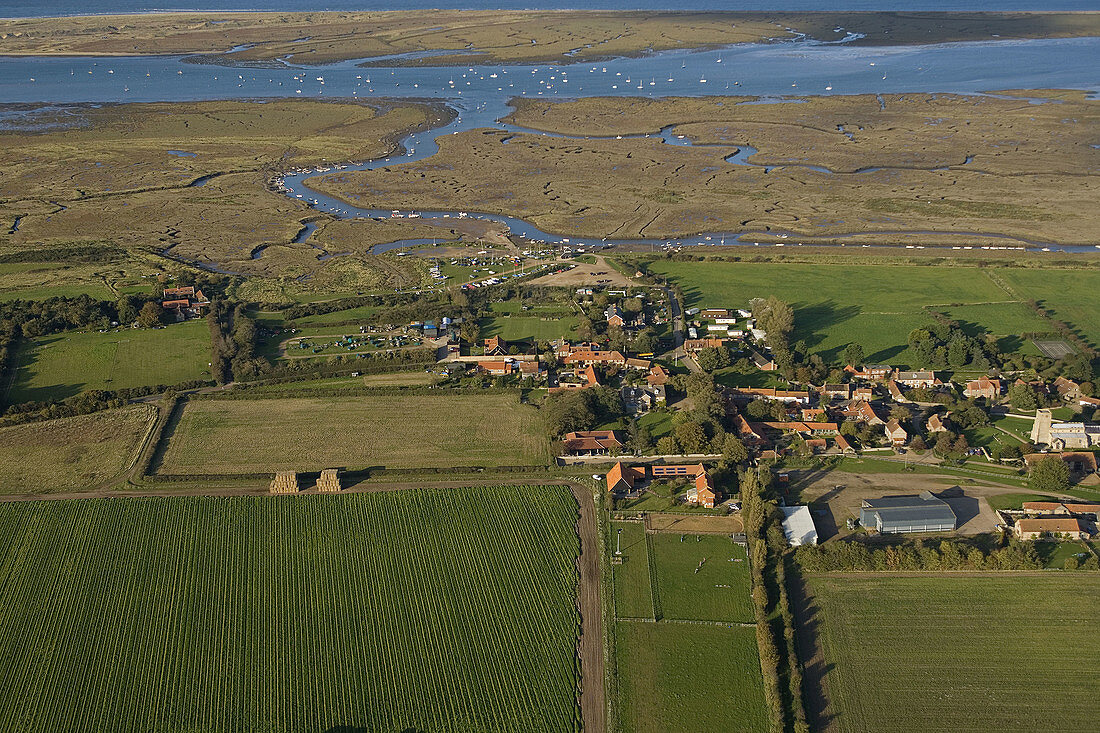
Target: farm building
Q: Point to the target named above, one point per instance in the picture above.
(798, 525)
(924, 512)
(591, 442)
(1060, 508)
(1080, 463)
(1034, 529)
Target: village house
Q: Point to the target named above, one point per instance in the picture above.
(870, 372)
(1068, 390)
(1042, 527)
(843, 445)
(533, 369)
(657, 376)
(863, 393)
(581, 379)
(833, 391)
(763, 363)
(916, 379)
(984, 387)
(496, 368)
(626, 480)
(614, 316)
(936, 424)
(896, 433)
(895, 391)
(861, 411)
(800, 427)
(494, 346)
(592, 442)
(747, 432)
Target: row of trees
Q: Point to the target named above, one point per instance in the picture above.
(920, 555)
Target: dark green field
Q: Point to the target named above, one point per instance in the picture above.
(963, 653)
(834, 304)
(421, 610)
(61, 365)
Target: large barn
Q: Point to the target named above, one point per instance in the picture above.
(924, 512)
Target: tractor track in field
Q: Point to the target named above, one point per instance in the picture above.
(591, 697)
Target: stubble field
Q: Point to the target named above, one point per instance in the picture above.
(71, 453)
(974, 653)
(444, 610)
(397, 431)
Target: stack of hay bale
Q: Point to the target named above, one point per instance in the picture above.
(329, 480)
(285, 482)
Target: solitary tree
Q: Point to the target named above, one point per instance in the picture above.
(150, 315)
(1049, 474)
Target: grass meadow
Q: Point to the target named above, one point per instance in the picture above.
(71, 453)
(675, 678)
(62, 365)
(877, 305)
(395, 431)
(528, 328)
(702, 577)
(976, 652)
(442, 610)
(697, 669)
(633, 592)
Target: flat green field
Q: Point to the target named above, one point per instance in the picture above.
(396, 431)
(62, 365)
(71, 453)
(697, 669)
(518, 328)
(834, 304)
(702, 577)
(967, 653)
(441, 610)
(633, 594)
(675, 678)
(1069, 294)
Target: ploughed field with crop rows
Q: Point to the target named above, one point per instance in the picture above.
(983, 652)
(415, 610)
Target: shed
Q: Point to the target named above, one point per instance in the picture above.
(798, 525)
(924, 512)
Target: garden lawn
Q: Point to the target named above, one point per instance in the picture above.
(1007, 651)
(396, 431)
(71, 453)
(701, 577)
(62, 365)
(444, 610)
(681, 678)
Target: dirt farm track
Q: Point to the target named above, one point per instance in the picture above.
(590, 647)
